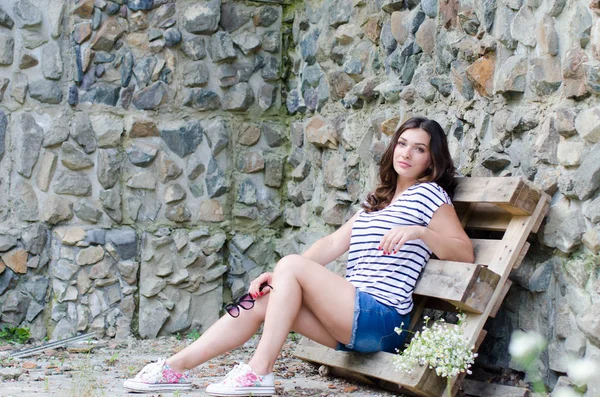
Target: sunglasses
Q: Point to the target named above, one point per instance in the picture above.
(244, 302)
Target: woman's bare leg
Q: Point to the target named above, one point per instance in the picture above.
(224, 335)
(228, 333)
(299, 282)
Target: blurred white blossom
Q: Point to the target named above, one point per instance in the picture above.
(582, 371)
(565, 392)
(526, 346)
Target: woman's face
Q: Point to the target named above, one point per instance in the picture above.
(412, 155)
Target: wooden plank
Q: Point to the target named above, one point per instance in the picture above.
(514, 194)
(457, 383)
(485, 250)
(466, 285)
(493, 218)
(514, 238)
(480, 339)
(457, 386)
(481, 389)
(421, 302)
(421, 381)
(488, 217)
(344, 373)
(526, 199)
(521, 256)
(500, 299)
(542, 214)
(441, 305)
(466, 215)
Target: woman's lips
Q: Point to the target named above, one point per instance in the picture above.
(403, 164)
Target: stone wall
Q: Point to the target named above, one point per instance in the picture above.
(155, 156)
(141, 140)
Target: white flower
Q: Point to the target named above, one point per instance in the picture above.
(441, 347)
(524, 345)
(565, 392)
(582, 371)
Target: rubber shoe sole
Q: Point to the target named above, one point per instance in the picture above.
(140, 387)
(242, 391)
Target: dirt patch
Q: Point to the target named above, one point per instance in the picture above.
(99, 372)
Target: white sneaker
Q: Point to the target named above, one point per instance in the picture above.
(158, 376)
(242, 381)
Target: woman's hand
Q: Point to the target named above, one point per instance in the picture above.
(254, 289)
(393, 240)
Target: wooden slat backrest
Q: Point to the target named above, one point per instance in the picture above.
(485, 217)
(465, 285)
(507, 255)
(513, 194)
(484, 250)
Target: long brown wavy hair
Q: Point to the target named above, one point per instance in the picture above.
(442, 170)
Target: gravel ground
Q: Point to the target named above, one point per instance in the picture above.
(78, 372)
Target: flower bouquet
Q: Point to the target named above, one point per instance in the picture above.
(441, 346)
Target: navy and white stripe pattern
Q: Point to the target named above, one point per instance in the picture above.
(391, 279)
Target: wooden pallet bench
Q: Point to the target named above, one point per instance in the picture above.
(498, 214)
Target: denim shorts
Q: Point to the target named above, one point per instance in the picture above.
(373, 326)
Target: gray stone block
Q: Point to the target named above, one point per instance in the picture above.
(7, 49)
(57, 209)
(141, 154)
(587, 177)
(195, 74)
(136, 5)
(216, 180)
(25, 201)
(3, 127)
(124, 240)
(150, 98)
(74, 158)
(46, 91)
(221, 47)
(5, 19)
(194, 47)
(267, 96)
(86, 212)
(238, 98)
(143, 70)
(266, 16)
(172, 37)
(202, 17)
(72, 183)
(102, 93)
(27, 143)
(6, 278)
(202, 99)
(185, 139)
(234, 16)
(178, 213)
(109, 167)
(26, 14)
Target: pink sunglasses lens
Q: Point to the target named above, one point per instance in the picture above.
(233, 310)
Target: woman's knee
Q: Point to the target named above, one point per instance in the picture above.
(288, 264)
(259, 310)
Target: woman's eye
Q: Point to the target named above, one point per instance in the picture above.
(420, 150)
(401, 143)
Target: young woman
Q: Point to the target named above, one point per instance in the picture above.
(406, 218)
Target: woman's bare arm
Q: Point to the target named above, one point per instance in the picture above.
(446, 237)
(331, 247)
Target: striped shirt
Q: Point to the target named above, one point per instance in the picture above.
(391, 279)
